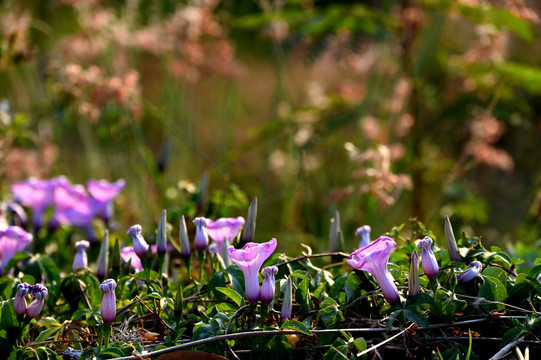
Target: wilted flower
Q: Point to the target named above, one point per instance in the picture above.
(249, 259)
(428, 259)
(373, 258)
(268, 288)
(105, 192)
(12, 240)
(287, 303)
(108, 302)
(473, 270)
(201, 237)
(39, 293)
(19, 303)
(413, 280)
(363, 233)
(140, 246)
(80, 260)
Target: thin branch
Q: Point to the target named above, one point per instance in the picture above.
(506, 349)
(384, 342)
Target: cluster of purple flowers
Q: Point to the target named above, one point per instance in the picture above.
(73, 204)
(374, 257)
(38, 292)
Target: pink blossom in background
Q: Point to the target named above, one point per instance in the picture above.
(12, 240)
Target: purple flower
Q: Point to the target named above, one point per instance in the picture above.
(373, 258)
(287, 303)
(105, 192)
(363, 233)
(66, 196)
(473, 270)
(108, 302)
(413, 280)
(39, 293)
(268, 287)
(19, 303)
(37, 195)
(140, 246)
(80, 260)
(127, 253)
(12, 240)
(201, 240)
(430, 265)
(81, 214)
(223, 231)
(249, 259)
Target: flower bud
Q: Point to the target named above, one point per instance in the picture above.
(39, 293)
(471, 273)
(184, 239)
(268, 288)
(80, 260)
(103, 257)
(287, 304)
(19, 303)
(201, 237)
(249, 229)
(430, 264)
(161, 240)
(452, 249)
(336, 243)
(413, 280)
(363, 233)
(108, 302)
(140, 246)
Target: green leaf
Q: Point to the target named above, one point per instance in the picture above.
(47, 333)
(360, 344)
(297, 326)
(351, 286)
(492, 289)
(415, 315)
(232, 294)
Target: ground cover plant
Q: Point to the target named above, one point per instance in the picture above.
(398, 295)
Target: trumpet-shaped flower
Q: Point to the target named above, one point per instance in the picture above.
(249, 259)
(140, 246)
(105, 193)
(268, 288)
(430, 265)
(39, 293)
(373, 258)
(287, 303)
(19, 303)
(37, 195)
(12, 240)
(223, 231)
(413, 280)
(363, 233)
(471, 273)
(108, 302)
(66, 196)
(201, 240)
(80, 260)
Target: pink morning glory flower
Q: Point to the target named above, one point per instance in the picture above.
(363, 233)
(37, 195)
(249, 259)
(373, 258)
(127, 253)
(12, 240)
(105, 193)
(66, 196)
(223, 231)
(471, 273)
(39, 293)
(269, 287)
(428, 260)
(81, 214)
(80, 260)
(108, 302)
